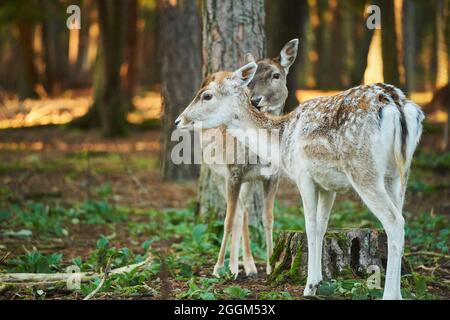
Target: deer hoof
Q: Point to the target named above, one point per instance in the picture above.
(250, 269)
(268, 269)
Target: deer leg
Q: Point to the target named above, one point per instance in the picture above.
(396, 188)
(236, 235)
(308, 192)
(270, 190)
(232, 194)
(379, 202)
(324, 205)
(249, 262)
(244, 197)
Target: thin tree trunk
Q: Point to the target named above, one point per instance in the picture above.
(441, 49)
(408, 44)
(130, 52)
(49, 45)
(148, 59)
(286, 20)
(363, 38)
(337, 46)
(230, 29)
(180, 52)
(112, 110)
(29, 72)
(389, 43)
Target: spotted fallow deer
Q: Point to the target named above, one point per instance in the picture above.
(268, 93)
(363, 138)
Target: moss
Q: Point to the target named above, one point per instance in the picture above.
(280, 245)
(295, 273)
(289, 270)
(345, 273)
(279, 248)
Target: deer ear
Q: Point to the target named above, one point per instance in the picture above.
(245, 74)
(288, 54)
(249, 58)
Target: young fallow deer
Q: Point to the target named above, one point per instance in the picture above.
(362, 138)
(268, 93)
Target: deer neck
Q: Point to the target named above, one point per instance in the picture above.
(260, 132)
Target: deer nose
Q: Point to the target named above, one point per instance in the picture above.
(177, 121)
(256, 100)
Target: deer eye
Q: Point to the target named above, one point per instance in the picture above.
(276, 75)
(207, 96)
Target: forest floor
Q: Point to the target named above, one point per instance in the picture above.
(69, 197)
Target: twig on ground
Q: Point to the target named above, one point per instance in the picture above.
(102, 282)
(31, 279)
(428, 253)
(2, 259)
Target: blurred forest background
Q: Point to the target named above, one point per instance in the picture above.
(86, 114)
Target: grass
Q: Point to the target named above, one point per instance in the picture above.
(194, 245)
(53, 220)
(178, 240)
(77, 162)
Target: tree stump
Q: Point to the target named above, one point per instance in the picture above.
(349, 253)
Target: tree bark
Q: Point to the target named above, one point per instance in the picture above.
(408, 44)
(130, 52)
(363, 38)
(287, 20)
(346, 253)
(441, 48)
(111, 106)
(230, 29)
(29, 72)
(180, 53)
(389, 43)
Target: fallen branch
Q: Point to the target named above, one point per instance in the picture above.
(3, 259)
(428, 253)
(31, 279)
(100, 285)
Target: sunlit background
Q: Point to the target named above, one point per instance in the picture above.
(47, 71)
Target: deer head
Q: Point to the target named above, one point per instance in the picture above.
(219, 99)
(268, 87)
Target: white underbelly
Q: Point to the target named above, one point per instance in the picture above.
(329, 178)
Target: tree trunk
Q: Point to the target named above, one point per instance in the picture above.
(287, 20)
(29, 73)
(441, 48)
(408, 44)
(346, 253)
(180, 52)
(148, 54)
(130, 52)
(111, 106)
(389, 43)
(230, 29)
(49, 35)
(337, 68)
(322, 63)
(363, 38)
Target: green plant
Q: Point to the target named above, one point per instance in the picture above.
(49, 220)
(432, 160)
(353, 289)
(275, 295)
(428, 232)
(199, 288)
(237, 292)
(36, 262)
